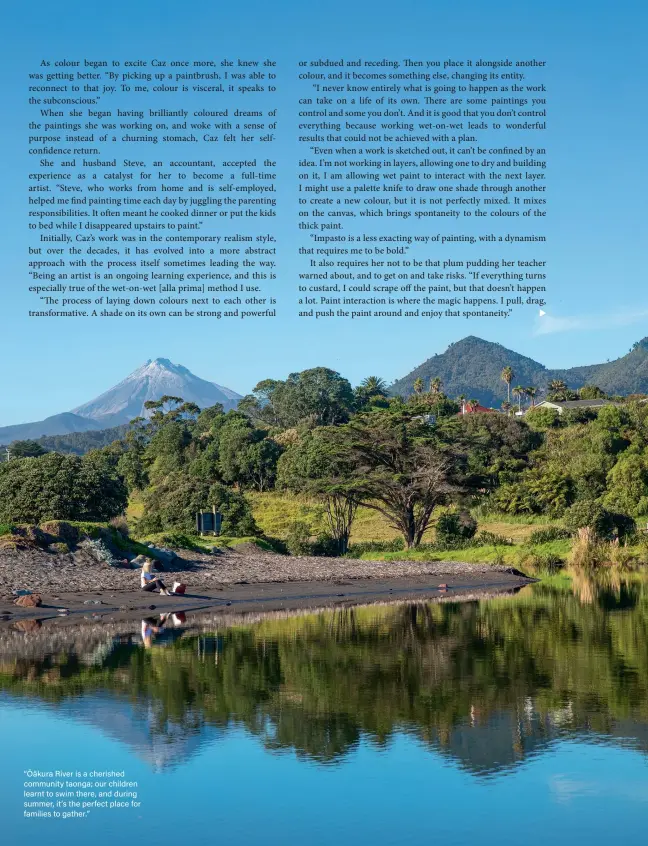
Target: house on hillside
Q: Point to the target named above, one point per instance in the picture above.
(567, 405)
(470, 408)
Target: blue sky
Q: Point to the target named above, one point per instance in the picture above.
(596, 225)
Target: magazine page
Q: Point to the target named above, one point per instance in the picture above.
(324, 423)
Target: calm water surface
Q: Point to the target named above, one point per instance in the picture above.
(516, 720)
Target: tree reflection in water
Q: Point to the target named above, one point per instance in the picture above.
(486, 682)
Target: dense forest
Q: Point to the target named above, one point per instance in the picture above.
(417, 462)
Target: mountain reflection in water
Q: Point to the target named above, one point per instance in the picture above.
(486, 683)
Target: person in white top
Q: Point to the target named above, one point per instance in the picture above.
(149, 581)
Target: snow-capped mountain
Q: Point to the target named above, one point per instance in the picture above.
(151, 381)
(119, 405)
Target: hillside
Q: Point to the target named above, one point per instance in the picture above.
(58, 424)
(78, 443)
(473, 367)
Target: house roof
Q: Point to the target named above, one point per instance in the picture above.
(593, 403)
(480, 409)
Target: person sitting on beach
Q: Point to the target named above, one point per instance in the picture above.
(149, 581)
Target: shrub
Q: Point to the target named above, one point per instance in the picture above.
(454, 527)
(627, 485)
(357, 550)
(102, 553)
(551, 533)
(298, 538)
(548, 563)
(174, 503)
(543, 418)
(604, 524)
(325, 545)
(120, 524)
(492, 539)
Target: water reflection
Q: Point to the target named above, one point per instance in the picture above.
(487, 683)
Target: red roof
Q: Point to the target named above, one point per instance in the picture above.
(480, 409)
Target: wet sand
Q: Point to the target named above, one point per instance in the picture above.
(115, 605)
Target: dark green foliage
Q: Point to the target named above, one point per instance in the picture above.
(371, 392)
(60, 487)
(298, 538)
(26, 449)
(497, 447)
(539, 491)
(357, 550)
(397, 466)
(551, 533)
(603, 523)
(246, 456)
(454, 526)
(319, 397)
(174, 502)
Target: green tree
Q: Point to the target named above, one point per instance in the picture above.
(627, 485)
(26, 449)
(319, 397)
(314, 466)
(588, 392)
(397, 467)
(507, 376)
(174, 503)
(247, 457)
(372, 391)
(60, 487)
(418, 386)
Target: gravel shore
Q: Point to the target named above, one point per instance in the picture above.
(80, 571)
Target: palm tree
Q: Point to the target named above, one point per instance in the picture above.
(518, 391)
(531, 393)
(436, 385)
(374, 386)
(557, 390)
(507, 376)
(506, 406)
(418, 386)
(472, 404)
(461, 399)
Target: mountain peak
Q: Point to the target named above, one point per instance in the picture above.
(473, 367)
(151, 381)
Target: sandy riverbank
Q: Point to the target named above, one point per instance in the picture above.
(245, 578)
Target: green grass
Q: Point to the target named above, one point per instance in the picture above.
(275, 512)
(5, 529)
(512, 556)
(180, 540)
